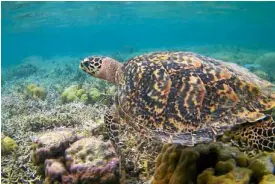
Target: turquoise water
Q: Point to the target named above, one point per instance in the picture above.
(48, 29)
(48, 102)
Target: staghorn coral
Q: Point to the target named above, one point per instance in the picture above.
(23, 118)
(37, 115)
(51, 144)
(210, 164)
(17, 166)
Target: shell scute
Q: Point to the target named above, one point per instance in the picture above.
(175, 92)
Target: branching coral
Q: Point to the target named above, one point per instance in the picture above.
(17, 167)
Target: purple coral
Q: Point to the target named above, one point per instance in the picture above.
(92, 160)
(54, 169)
(52, 144)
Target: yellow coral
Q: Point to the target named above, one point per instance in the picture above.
(75, 93)
(214, 163)
(94, 94)
(36, 92)
(268, 179)
(8, 145)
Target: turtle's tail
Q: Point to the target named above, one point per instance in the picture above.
(257, 135)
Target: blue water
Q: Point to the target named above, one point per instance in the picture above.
(76, 28)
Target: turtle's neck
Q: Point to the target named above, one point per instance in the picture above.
(109, 70)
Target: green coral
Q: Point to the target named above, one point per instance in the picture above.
(213, 163)
(76, 93)
(8, 145)
(262, 165)
(268, 179)
(94, 94)
(236, 176)
(69, 94)
(36, 92)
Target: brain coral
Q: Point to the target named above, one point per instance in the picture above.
(51, 144)
(92, 160)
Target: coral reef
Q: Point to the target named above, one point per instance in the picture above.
(16, 167)
(88, 160)
(76, 93)
(24, 118)
(72, 93)
(94, 94)
(36, 92)
(210, 164)
(52, 144)
(268, 179)
(262, 74)
(7, 145)
(54, 170)
(267, 63)
(92, 160)
(23, 70)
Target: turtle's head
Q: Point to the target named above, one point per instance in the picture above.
(101, 67)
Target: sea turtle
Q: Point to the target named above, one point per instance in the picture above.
(184, 98)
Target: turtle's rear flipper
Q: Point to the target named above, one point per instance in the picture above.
(258, 135)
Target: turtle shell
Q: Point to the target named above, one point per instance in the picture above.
(165, 94)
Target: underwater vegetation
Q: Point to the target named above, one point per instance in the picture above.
(53, 116)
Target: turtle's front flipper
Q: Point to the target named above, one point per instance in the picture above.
(113, 127)
(258, 135)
